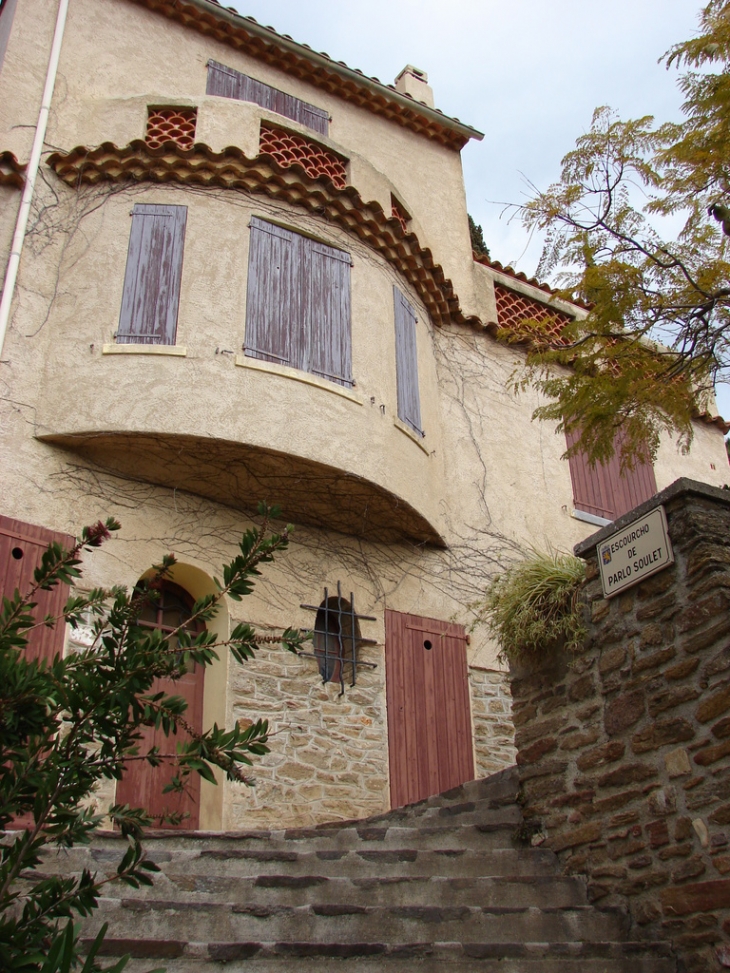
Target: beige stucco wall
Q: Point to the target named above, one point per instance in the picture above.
(488, 480)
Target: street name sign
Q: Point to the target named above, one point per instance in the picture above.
(635, 552)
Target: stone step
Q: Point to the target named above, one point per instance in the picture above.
(496, 791)
(174, 920)
(479, 837)
(415, 957)
(544, 892)
(367, 863)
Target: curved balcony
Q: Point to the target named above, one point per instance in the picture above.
(330, 457)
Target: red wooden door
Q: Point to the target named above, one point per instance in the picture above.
(142, 784)
(21, 549)
(429, 717)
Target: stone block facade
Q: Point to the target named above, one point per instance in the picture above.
(624, 748)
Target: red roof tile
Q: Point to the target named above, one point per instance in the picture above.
(226, 25)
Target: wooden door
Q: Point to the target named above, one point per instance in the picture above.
(142, 784)
(429, 715)
(21, 549)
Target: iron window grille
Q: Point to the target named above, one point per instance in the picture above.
(336, 638)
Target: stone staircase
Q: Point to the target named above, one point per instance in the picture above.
(434, 885)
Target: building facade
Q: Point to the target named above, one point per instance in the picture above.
(247, 275)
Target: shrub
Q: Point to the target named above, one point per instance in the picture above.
(533, 606)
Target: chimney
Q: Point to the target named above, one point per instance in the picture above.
(411, 81)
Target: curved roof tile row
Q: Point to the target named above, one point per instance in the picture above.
(231, 169)
(244, 34)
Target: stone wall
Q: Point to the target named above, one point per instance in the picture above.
(624, 748)
(494, 735)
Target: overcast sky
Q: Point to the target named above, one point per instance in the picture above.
(526, 73)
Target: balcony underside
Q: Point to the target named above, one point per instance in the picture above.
(240, 475)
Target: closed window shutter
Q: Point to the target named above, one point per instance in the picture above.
(21, 549)
(275, 313)
(7, 10)
(328, 275)
(406, 363)
(224, 82)
(229, 83)
(298, 303)
(152, 279)
(603, 490)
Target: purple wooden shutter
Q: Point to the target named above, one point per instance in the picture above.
(224, 82)
(603, 490)
(7, 10)
(329, 352)
(229, 83)
(406, 363)
(274, 309)
(151, 293)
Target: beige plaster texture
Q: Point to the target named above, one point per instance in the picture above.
(181, 442)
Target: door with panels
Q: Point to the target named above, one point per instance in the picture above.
(429, 714)
(142, 784)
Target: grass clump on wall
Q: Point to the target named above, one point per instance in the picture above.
(533, 606)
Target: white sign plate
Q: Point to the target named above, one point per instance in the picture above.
(635, 552)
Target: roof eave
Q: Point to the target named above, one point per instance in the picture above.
(321, 61)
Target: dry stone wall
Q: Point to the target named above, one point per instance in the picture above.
(624, 748)
(328, 758)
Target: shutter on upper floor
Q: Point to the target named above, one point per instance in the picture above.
(151, 294)
(603, 490)
(229, 83)
(274, 307)
(406, 363)
(330, 353)
(21, 549)
(7, 11)
(298, 303)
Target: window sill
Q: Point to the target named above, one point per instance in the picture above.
(590, 518)
(177, 350)
(407, 431)
(284, 371)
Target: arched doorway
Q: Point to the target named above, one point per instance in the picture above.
(142, 784)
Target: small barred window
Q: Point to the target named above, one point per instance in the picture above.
(316, 161)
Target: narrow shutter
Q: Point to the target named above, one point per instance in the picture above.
(152, 279)
(228, 83)
(603, 490)
(274, 307)
(632, 487)
(406, 363)
(21, 549)
(225, 82)
(315, 118)
(7, 11)
(329, 353)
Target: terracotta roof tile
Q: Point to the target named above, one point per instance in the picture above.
(229, 27)
(480, 258)
(230, 169)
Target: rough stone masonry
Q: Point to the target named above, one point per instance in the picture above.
(624, 747)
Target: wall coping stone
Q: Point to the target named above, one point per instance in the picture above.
(681, 487)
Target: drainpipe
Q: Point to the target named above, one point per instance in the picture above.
(21, 225)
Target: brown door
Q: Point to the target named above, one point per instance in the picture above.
(429, 718)
(142, 784)
(21, 550)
